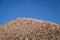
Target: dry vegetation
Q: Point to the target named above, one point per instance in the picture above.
(24, 29)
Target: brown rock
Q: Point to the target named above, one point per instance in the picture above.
(30, 29)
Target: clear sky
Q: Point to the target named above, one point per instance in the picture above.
(48, 10)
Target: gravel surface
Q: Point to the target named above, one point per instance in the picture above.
(29, 29)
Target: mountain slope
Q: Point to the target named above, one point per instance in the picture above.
(29, 29)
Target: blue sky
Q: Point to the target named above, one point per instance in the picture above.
(48, 10)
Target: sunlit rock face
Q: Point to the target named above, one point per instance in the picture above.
(29, 29)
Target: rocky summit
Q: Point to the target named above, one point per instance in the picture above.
(29, 29)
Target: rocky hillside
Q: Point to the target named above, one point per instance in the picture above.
(29, 29)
